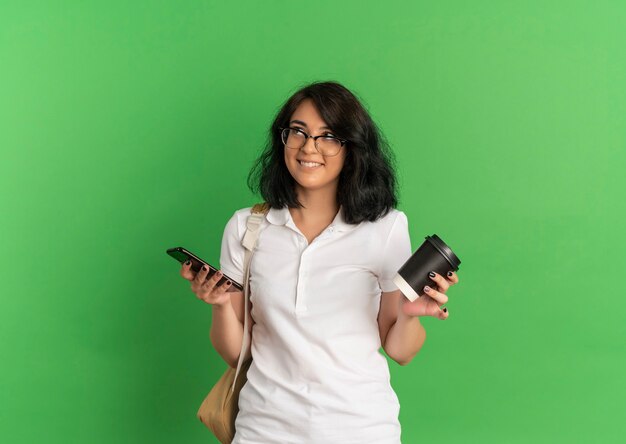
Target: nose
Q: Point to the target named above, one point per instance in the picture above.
(309, 146)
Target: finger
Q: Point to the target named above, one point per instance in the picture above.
(443, 314)
(211, 283)
(441, 298)
(201, 275)
(452, 277)
(225, 286)
(211, 292)
(187, 272)
(441, 282)
(217, 276)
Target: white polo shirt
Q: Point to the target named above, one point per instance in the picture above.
(317, 375)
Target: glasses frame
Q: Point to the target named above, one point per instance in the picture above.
(308, 136)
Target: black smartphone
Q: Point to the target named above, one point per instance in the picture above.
(182, 255)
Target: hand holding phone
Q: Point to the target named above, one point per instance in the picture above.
(204, 280)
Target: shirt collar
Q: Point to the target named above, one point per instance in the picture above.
(282, 216)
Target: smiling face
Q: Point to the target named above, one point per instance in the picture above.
(307, 166)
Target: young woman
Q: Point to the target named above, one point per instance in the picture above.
(321, 291)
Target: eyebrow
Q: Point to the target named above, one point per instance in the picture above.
(300, 122)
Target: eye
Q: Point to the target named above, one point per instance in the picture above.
(297, 131)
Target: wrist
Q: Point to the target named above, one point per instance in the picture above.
(402, 315)
(221, 307)
(407, 318)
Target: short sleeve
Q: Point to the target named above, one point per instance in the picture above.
(232, 252)
(396, 252)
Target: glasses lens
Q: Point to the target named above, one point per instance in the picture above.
(293, 138)
(328, 146)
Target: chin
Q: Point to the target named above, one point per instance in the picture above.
(309, 185)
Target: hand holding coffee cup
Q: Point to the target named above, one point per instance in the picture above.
(426, 276)
(431, 302)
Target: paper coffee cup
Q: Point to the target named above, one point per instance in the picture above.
(432, 255)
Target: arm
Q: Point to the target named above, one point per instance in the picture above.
(227, 317)
(402, 336)
(227, 329)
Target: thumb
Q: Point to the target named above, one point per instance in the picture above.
(411, 309)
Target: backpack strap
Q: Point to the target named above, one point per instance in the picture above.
(249, 243)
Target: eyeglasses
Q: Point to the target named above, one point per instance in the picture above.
(325, 144)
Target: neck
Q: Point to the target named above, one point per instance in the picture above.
(318, 205)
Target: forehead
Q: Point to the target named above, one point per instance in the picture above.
(308, 116)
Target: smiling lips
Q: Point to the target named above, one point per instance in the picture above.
(309, 164)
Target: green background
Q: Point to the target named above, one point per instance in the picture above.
(127, 128)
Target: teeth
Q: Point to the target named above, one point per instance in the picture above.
(309, 164)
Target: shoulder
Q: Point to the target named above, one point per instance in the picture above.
(242, 213)
(394, 214)
(238, 220)
(378, 232)
(247, 211)
(389, 220)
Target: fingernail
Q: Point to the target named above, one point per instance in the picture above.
(218, 274)
(204, 268)
(445, 310)
(228, 283)
(187, 262)
(431, 274)
(450, 273)
(427, 288)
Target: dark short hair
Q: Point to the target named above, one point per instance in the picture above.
(367, 182)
